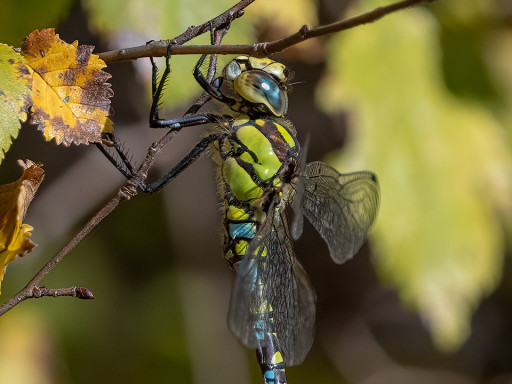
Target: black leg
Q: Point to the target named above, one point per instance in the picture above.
(116, 163)
(216, 82)
(126, 167)
(187, 121)
(174, 124)
(156, 90)
(190, 119)
(192, 156)
(210, 88)
(122, 155)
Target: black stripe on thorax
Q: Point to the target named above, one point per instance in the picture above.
(245, 148)
(249, 168)
(279, 145)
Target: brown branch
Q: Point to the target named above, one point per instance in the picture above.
(127, 191)
(305, 33)
(159, 48)
(28, 291)
(78, 292)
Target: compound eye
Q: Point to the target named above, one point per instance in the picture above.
(259, 87)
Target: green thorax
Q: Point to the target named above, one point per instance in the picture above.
(258, 156)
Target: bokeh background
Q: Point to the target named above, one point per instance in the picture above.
(422, 97)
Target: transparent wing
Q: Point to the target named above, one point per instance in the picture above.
(270, 274)
(341, 207)
(298, 183)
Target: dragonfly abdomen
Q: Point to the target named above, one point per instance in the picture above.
(241, 226)
(269, 354)
(256, 159)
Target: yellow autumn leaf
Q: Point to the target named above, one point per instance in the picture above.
(14, 201)
(69, 90)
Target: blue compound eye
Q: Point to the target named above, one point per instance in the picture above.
(260, 88)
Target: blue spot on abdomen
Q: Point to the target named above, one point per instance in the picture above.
(246, 230)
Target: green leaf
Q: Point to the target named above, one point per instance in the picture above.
(443, 166)
(14, 95)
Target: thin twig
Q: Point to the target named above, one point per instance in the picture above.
(78, 292)
(265, 49)
(159, 48)
(28, 291)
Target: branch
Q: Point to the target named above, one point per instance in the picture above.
(220, 22)
(78, 292)
(159, 48)
(265, 49)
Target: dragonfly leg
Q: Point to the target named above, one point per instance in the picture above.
(176, 124)
(212, 88)
(192, 156)
(125, 166)
(156, 89)
(190, 119)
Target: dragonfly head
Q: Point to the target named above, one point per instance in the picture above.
(261, 83)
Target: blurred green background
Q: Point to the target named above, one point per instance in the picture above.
(422, 97)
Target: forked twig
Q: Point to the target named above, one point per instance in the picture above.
(33, 285)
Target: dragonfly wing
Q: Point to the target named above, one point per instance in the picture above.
(298, 184)
(341, 207)
(298, 216)
(270, 274)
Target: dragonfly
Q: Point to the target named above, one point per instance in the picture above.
(262, 170)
